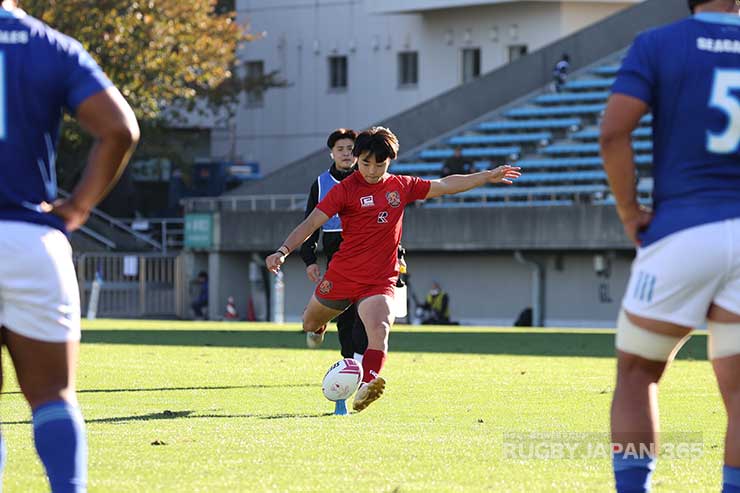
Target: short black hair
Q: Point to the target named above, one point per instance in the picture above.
(379, 142)
(339, 134)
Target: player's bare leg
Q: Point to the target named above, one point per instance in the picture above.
(3, 450)
(376, 313)
(727, 371)
(634, 413)
(45, 370)
(46, 376)
(315, 318)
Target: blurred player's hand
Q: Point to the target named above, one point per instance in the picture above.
(314, 273)
(72, 214)
(635, 220)
(504, 174)
(274, 262)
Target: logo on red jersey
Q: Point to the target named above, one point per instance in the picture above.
(383, 217)
(325, 286)
(394, 198)
(367, 201)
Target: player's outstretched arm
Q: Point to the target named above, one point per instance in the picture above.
(621, 118)
(453, 184)
(110, 120)
(314, 221)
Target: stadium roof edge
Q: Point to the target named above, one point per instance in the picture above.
(421, 6)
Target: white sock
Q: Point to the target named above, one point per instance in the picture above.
(358, 357)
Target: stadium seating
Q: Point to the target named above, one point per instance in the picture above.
(553, 137)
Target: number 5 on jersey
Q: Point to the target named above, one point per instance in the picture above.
(725, 82)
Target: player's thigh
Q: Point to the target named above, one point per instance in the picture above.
(318, 313)
(724, 328)
(675, 279)
(726, 308)
(40, 296)
(45, 370)
(376, 312)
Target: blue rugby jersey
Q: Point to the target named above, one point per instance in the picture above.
(688, 73)
(42, 73)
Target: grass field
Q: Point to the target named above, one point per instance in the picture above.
(214, 407)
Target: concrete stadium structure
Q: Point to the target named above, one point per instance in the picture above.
(442, 43)
(570, 262)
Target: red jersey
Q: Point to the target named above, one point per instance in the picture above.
(372, 217)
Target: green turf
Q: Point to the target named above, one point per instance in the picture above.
(238, 407)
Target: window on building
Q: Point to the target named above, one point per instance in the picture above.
(255, 72)
(337, 72)
(408, 68)
(517, 51)
(470, 64)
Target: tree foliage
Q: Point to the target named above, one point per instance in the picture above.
(156, 51)
(161, 54)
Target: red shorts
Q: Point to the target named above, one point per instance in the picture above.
(335, 286)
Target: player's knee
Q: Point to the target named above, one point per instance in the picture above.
(637, 341)
(310, 325)
(41, 395)
(634, 371)
(723, 340)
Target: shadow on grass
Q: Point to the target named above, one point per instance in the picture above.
(456, 341)
(170, 389)
(169, 415)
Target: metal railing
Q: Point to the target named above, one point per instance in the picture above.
(110, 244)
(133, 284)
(118, 224)
(233, 203)
(168, 232)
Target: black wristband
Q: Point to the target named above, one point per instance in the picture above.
(286, 252)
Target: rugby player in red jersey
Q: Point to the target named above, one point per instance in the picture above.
(370, 204)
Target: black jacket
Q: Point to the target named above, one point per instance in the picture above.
(331, 240)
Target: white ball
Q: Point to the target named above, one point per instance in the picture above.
(342, 379)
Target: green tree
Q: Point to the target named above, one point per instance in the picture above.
(161, 54)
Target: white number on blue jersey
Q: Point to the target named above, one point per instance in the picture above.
(725, 81)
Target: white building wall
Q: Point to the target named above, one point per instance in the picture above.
(575, 15)
(302, 34)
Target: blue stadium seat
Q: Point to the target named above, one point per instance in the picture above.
(556, 175)
(572, 97)
(588, 84)
(581, 109)
(517, 191)
(575, 162)
(606, 70)
(562, 176)
(429, 167)
(556, 123)
(593, 133)
(610, 201)
(415, 168)
(472, 152)
(500, 139)
(590, 148)
(500, 203)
